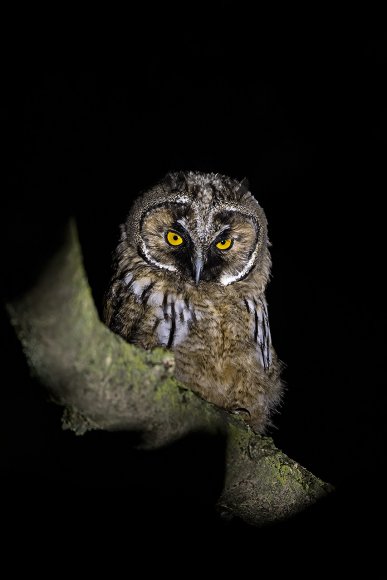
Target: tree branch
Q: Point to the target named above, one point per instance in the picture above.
(105, 383)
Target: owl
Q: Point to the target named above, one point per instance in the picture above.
(191, 270)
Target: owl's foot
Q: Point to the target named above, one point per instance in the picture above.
(245, 413)
(256, 422)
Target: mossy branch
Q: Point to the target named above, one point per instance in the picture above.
(105, 383)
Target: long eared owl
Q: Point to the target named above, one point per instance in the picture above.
(190, 275)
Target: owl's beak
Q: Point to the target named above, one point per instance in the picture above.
(198, 264)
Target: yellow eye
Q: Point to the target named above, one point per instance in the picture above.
(174, 239)
(224, 244)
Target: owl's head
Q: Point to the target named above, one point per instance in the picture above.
(203, 227)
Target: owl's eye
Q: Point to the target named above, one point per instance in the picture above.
(174, 239)
(224, 244)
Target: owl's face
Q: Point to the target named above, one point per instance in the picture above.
(207, 228)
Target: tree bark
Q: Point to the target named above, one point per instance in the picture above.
(105, 383)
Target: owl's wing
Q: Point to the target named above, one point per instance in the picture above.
(122, 311)
(257, 309)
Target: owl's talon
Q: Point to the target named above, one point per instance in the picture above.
(240, 411)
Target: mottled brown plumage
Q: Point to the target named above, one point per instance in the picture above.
(190, 275)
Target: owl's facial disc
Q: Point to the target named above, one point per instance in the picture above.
(233, 249)
(220, 247)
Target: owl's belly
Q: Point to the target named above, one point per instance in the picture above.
(217, 349)
(218, 359)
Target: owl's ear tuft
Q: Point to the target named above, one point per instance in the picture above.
(175, 181)
(243, 189)
(243, 193)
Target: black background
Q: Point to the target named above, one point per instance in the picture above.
(301, 112)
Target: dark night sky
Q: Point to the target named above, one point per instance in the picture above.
(303, 115)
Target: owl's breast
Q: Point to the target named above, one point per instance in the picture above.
(183, 319)
(170, 317)
(219, 323)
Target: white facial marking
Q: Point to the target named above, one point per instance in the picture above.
(227, 279)
(226, 227)
(169, 267)
(183, 222)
